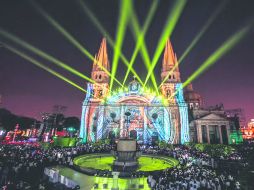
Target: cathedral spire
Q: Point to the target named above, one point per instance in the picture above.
(169, 59)
(101, 59)
(170, 71)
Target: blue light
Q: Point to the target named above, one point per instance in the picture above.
(85, 109)
(183, 109)
(142, 105)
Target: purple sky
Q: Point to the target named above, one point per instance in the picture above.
(28, 90)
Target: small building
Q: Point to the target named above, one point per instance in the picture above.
(248, 132)
(210, 125)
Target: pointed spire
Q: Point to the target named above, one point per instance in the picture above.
(169, 59)
(170, 71)
(101, 58)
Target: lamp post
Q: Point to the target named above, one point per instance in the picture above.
(15, 132)
(45, 118)
(95, 127)
(127, 114)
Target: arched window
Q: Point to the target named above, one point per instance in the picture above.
(92, 93)
(100, 93)
(168, 93)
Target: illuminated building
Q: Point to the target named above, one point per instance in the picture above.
(135, 111)
(248, 132)
(213, 125)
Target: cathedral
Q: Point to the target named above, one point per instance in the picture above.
(135, 111)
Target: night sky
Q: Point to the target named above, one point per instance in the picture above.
(28, 90)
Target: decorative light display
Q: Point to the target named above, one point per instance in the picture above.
(248, 132)
(183, 114)
(84, 116)
(134, 111)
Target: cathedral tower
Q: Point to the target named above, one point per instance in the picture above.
(100, 88)
(170, 71)
(96, 92)
(170, 65)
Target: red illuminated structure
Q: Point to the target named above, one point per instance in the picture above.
(248, 133)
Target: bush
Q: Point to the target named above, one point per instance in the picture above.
(64, 141)
(213, 149)
(45, 145)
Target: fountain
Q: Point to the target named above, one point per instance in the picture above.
(126, 156)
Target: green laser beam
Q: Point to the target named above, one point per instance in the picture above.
(228, 45)
(144, 52)
(197, 38)
(171, 22)
(140, 39)
(96, 22)
(70, 38)
(99, 26)
(203, 30)
(121, 28)
(40, 65)
(42, 54)
(125, 61)
(169, 73)
(221, 51)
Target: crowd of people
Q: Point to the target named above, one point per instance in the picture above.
(197, 170)
(23, 165)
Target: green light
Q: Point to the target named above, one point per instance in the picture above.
(71, 129)
(46, 56)
(70, 38)
(125, 61)
(96, 22)
(140, 38)
(219, 53)
(122, 22)
(203, 30)
(105, 161)
(172, 19)
(197, 38)
(38, 64)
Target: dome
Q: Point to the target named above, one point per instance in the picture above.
(191, 95)
(134, 85)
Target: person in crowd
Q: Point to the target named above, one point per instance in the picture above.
(23, 165)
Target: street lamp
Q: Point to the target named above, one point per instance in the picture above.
(95, 127)
(127, 114)
(15, 132)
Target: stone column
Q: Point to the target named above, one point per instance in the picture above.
(199, 133)
(228, 132)
(221, 139)
(208, 134)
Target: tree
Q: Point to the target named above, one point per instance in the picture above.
(72, 122)
(9, 120)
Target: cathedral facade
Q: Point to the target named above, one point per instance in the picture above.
(135, 111)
